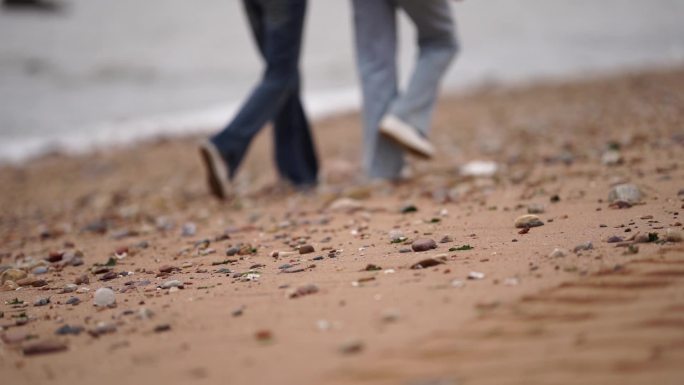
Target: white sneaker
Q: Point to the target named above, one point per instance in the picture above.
(406, 136)
(217, 172)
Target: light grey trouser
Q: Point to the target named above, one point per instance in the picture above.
(375, 24)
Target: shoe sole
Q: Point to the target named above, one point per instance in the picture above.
(395, 137)
(214, 171)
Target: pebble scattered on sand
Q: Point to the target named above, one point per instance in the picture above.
(527, 221)
(423, 244)
(628, 193)
(558, 253)
(104, 297)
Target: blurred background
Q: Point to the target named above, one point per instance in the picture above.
(77, 74)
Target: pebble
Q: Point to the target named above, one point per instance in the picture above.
(189, 229)
(611, 158)
(294, 269)
(390, 315)
(172, 283)
(479, 168)
(44, 347)
(40, 270)
(104, 297)
(162, 328)
(13, 275)
(372, 267)
(145, 313)
(82, 280)
(535, 208)
(303, 291)
(527, 221)
(446, 239)
(9, 286)
(425, 263)
(345, 205)
(614, 239)
(351, 347)
(408, 208)
(511, 281)
(558, 253)
(457, 283)
(263, 335)
(583, 247)
(627, 193)
(73, 301)
(474, 275)
(102, 328)
(69, 288)
(167, 268)
(306, 249)
(32, 281)
(641, 238)
(423, 244)
(672, 235)
(231, 251)
(108, 276)
(12, 337)
(68, 329)
(238, 312)
(396, 235)
(41, 302)
(323, 325)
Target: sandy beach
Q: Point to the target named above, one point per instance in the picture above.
(326, 287)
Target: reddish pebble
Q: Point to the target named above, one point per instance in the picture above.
(306, 249)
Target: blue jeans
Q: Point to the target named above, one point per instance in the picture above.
(277, 26)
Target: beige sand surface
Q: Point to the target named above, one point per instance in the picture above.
(613, 314)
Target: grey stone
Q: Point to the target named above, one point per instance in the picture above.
(627, 193)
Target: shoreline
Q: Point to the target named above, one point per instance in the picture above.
(321, 105)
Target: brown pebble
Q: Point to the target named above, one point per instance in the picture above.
(55, 256)
(12, 337)
(167, 268)
(303, 290)
(44, 347)
(162, 328)
(82, 280)
(423, 244)
(306, 249)
(425, 263)
(263, 335)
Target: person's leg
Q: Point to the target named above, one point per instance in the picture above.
(376, 48)
(295, 153)
(277, 27)
(437, 48)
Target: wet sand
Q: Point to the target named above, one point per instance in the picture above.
(528, 314)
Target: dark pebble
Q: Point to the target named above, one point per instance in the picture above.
(423, 244)
(425, 263)
(162, 328)
(306, 249)
(44, 347)
(68, 329)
